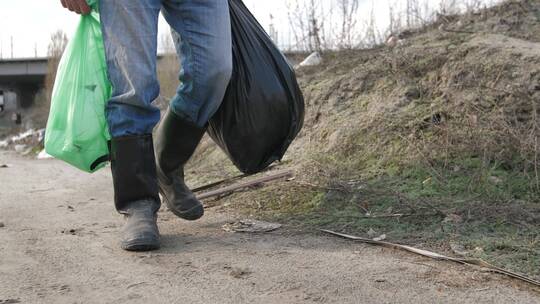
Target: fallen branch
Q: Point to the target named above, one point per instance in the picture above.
(252, 183)
(227, 180)
(395, 215)
(327, 188)
(436, 256)
(399, 215)
(215, 184)
(459, 31)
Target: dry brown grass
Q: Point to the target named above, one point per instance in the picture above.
(443, 127)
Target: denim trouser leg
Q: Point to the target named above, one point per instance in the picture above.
(130, 37)
(203, 39)
(202, 35)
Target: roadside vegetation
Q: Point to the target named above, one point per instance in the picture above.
(433, 142)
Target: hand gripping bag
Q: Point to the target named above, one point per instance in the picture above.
(263, 108)
(77, 130)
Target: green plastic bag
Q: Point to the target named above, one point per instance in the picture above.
(77, 129)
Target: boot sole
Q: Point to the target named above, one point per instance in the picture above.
(192, 214)
(140, 245)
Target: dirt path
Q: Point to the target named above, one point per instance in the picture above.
(58, 245)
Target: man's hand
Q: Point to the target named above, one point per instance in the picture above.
(77, 6)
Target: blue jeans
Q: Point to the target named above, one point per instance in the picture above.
(202, 35)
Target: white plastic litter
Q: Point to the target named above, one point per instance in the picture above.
(20, 148)
(41, 134)
(392, 41)
(312, 60)
(43, 155)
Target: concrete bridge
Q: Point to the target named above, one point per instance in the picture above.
(20, 80)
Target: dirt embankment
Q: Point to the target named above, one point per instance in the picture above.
(442, 128)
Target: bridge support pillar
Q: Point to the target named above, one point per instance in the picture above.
(26, 94)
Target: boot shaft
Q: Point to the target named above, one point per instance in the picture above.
(134, 171)
(175, 142)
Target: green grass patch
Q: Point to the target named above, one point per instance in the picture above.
(492, 213)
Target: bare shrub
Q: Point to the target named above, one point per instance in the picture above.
(56, 48)
(317, 25)
(371, 36)
(448, 7)
(42, 100)
(395, 20)
(307, 21)
(348, 9)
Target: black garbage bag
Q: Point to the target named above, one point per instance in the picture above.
(263, 108)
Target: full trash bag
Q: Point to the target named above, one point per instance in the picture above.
(263, 108)
(77, 130)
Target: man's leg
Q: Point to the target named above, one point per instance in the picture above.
(130, 36)
(202, 34)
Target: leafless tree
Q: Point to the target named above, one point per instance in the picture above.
(348, 11)
(42, 100)
(307, 19)
(272, 31)
(314, 26)
(296, 25)
(339, 24)
(449, 7)
(56, 48)
(395, 20)
(472, 5)
(372, 35)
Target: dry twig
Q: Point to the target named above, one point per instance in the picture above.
(436, 256)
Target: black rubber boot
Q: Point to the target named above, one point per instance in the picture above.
(175, 142)
(136, 191)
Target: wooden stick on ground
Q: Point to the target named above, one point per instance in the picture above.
(215, 184)
(436, 256)
(254, 182)
(227, 180)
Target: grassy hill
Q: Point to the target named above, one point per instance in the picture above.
(434, 142)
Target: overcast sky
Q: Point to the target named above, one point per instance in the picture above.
(30, 22)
